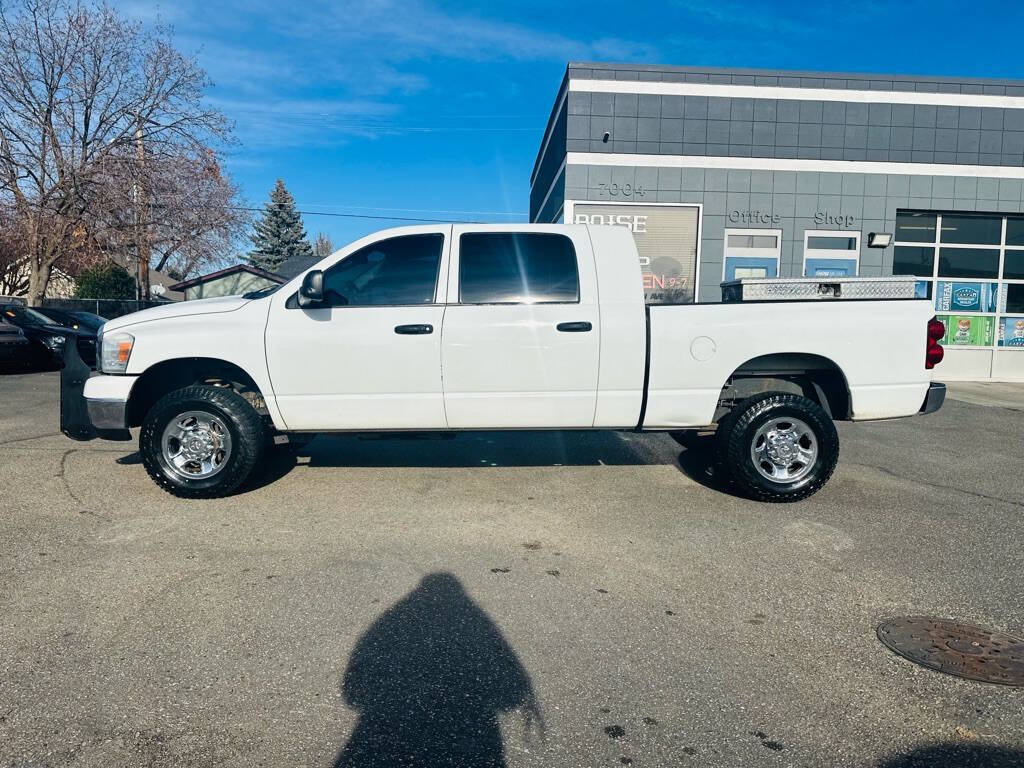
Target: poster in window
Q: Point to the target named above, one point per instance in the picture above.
(750, 266)
(967, 331)
(829, 267)
(965, 297)
(666, 242)
(1011, 332)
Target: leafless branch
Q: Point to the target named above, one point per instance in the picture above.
(105, 142)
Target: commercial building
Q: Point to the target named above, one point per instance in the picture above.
(724, 173)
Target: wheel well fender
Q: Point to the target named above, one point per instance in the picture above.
(813, 376)
(169, 375)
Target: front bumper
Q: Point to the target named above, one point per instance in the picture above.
(107, 414)
(87, 418)
(935, 397)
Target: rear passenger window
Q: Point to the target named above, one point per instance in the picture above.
(517, 268)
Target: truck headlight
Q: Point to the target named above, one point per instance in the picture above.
(115, 349)
(54, 343)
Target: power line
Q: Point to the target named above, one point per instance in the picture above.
(364, 216)
(376, 217)
(412, 210)
(396, 128)
(347, 215)
(278, 112)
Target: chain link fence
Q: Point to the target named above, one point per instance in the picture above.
(108, 308)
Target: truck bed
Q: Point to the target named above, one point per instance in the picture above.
(878, 346)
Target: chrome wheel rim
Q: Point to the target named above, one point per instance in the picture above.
(784, 450)
(196, 445)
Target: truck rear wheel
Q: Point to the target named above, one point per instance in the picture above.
(778, 446)
(201, 442)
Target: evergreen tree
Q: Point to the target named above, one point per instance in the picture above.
(105, 281)
(278, 233)
(322, 246)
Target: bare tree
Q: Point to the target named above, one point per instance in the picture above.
(194, 213)
(13, 264)
(322, 246)
(93, 108)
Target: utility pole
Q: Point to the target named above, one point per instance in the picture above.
(141, 218)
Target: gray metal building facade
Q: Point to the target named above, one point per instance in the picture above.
(795, 173)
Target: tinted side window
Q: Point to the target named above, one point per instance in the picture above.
(517, 268)
(400, 270)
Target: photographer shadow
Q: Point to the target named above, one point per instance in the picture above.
(429, 679)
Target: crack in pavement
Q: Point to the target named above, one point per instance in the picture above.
(26, 439)
(62, 474)
(938, 486)
(95, 446)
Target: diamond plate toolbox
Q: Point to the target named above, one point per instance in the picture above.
(811, 288)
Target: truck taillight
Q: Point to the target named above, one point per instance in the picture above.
(934, 353)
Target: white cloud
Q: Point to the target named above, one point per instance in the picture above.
(323, 70)
(409, 30)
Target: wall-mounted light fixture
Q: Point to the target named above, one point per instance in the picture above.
(879, 239)
(606, 136)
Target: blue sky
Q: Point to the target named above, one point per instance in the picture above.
(425, 108)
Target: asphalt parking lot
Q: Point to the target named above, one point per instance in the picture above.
(523, 599)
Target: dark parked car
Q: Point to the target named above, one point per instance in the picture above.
(46, 338)
(75, 319)
(14, 347)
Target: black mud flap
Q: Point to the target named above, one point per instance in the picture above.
(74, 418)
(934, 398)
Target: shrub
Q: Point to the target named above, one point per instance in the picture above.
(105, 281)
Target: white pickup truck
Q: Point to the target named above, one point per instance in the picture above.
(463, 327)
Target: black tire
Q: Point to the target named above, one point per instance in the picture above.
(246, 428)
(738, 429)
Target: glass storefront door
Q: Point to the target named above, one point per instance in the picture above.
(751, 253)
(831, 254)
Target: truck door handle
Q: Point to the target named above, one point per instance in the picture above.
(578, 327)
(415, 329)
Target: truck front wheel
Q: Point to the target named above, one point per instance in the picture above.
(778, 446)
(201, 441)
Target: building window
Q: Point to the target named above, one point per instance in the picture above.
(914, 227)
(913, 260)
(972, 266)
(970, 230)
(667, 237)
(751, 253)
(831, 254)
(968, 262)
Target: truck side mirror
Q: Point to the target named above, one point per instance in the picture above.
(312, 291)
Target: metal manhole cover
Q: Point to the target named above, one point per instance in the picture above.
(955, 648)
